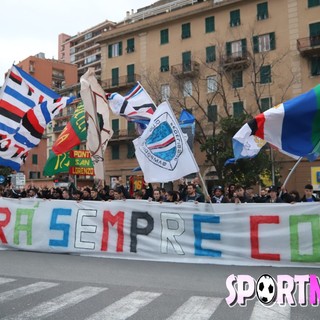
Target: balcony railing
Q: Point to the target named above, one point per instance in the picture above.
(124, 135)
(236, 61)
(309, 45)
(186, 70)
(122, 82)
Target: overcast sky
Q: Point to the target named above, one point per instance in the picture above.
(28, 27)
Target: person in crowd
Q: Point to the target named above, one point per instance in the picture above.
(118, 194)
(308, 194)
(76, 195)
(138, 195)
(171, 196)
(56, 193)
(147, 191)
(230, 193)
(262, 197)
(157, 195)
(192, 195)
(86, 194)
(32, 193)
(273, 195)
(95, 195)
(218, 195)
(250, 194)
(240, 195)
(66, 195)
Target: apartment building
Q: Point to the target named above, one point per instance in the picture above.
(83, 49)
(213, 58)
(56, 75)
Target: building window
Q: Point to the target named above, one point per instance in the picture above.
(313, 3)
(186, 61)
(115, 126)
(237, 79)
(266, 103)
(115, 76)
(164, 64)
(165, 92)
(234, 18)
(164, 36)
(131, 128)
(265, 74)
(237, 48)
(187, 89)
(212, 113)
(209, 24)
(238, 109)
(314, 31)
(130, 45)
(131, 150)
(115, 50)
(130, 73)
(264, 42)
(115, 152)
(34, 159)
(315, 66)
(210, 54)
(262, 11)
(211, 84)
(34, 175)
(185, 31)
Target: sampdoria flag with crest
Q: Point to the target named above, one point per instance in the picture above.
(162, 151)
(99, 130)
(291, 127)
(136, 105)
(26, 107)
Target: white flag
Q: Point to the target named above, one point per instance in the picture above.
(99, 130)
(162, 151)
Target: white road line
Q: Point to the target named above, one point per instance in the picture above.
(6, 280)
(196, 308)
(26, 290)
(66, 300)
(261, 312)
(125, 307)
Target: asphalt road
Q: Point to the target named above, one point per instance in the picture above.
(61, 286)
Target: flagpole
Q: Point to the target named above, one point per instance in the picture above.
(205, 187)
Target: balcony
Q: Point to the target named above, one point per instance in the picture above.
(185, 70)
(58, 128)
(236, 61)
(120, 83)
(309, 46)
(123, 135)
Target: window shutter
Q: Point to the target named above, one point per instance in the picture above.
(272, 40)
(209, 24)
(120, 48)
(244, 46)
(228, 48)
(255, 41)
(110, 51)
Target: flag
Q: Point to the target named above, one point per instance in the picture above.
(26, 107)
(20, 93)
(73, 133)
(188, 124)
(99, 131)
(291, 127)
(57, 164)
(162, 151)
(136, 105)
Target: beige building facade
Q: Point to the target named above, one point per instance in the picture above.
(213, 58)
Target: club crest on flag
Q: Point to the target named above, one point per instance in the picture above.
(164, 143)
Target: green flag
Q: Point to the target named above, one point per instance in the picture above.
(56, 164)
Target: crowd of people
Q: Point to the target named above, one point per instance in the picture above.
(185, 192)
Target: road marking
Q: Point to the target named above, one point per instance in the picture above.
(196, 308)
(26, 290)
(6, 280)
(125, 307)
(261, 312)
(66, 300)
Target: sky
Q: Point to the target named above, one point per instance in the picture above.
(28, 27)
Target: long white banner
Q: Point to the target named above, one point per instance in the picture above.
(240, 234)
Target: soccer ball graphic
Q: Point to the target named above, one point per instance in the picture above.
(266, 289)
